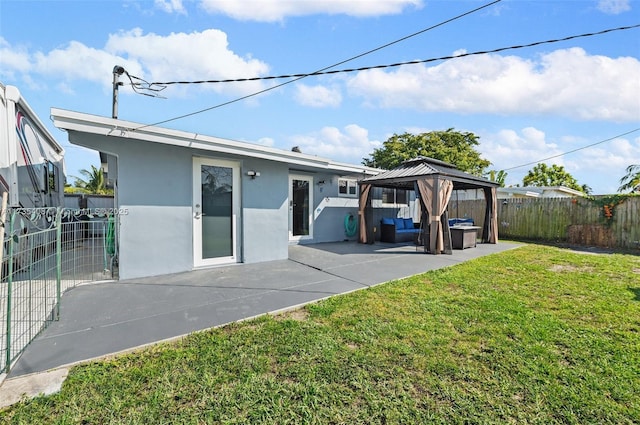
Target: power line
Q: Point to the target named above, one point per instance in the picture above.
(142, 84)
(414, 62)
(572, 151)
(325, 68)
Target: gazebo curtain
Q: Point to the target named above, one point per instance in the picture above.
(435, 195)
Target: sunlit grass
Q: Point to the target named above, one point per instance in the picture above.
(532, 335)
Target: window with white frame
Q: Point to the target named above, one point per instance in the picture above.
(394, 196)
(347, 187)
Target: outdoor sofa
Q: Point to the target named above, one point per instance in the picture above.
(394, 230)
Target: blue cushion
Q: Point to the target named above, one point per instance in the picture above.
(454, 221)
(408, 223)
(399, 223)
(408, 231)
(387, 221)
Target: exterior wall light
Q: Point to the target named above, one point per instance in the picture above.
(253, 174)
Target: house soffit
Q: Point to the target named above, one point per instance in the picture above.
(109, 127)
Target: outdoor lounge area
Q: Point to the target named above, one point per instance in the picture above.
(433, 182)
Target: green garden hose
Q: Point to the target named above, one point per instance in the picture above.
(350, 225)
(111, 236)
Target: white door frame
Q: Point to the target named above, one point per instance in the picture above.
(197, 213)
(309, 179)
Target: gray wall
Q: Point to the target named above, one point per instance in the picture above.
(154, 198)
(265, 210)
(154, 201)
(330, 210)
(154, 195)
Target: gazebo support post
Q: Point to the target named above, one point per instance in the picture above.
(368, 212)
(446, 233)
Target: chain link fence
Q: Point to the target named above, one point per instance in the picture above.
(47, 251)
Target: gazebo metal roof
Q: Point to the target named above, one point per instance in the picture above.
(405, 174)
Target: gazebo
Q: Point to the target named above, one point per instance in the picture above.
(433, 181)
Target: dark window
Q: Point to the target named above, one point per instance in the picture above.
(51, 177)
(401, 197)
(342, 187)
(394, 196)
(388, 195)
(347, 187)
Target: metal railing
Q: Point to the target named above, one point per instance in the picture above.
(48, 251)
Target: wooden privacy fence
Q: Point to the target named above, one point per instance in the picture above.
(604, 221)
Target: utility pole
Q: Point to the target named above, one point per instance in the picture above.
(117, 72)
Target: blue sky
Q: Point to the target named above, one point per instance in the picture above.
(525, 104)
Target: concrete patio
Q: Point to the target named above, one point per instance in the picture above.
(104, 319)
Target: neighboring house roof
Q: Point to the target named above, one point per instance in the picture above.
(539, 192)
(405, 174)
(93, 124)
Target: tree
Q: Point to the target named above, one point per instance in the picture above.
(556, 175)
(631, 181)
(450, 146)
(498, 176)
(93, 182)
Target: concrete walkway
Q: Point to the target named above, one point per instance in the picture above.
(103, 319)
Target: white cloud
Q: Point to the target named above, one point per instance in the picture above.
(567, 82)
(12, 59)
(599, 167)
(79, 62)
(348, 145)
(317, 96)
(277, 10)
(193, 56)
(614, 7)
(611, 159)
(171, 6)
(510, 148)
(177, 56)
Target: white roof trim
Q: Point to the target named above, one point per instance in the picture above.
(563, 189)
(13, 94)
(510, 191)
(539, 191)
(93, 124)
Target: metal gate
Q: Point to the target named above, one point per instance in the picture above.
(45, 252)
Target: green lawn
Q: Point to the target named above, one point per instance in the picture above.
(532, 335)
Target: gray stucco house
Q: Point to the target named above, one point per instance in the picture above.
(186, 201)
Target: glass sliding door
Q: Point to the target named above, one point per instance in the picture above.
(216, 208)
(300, 207)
